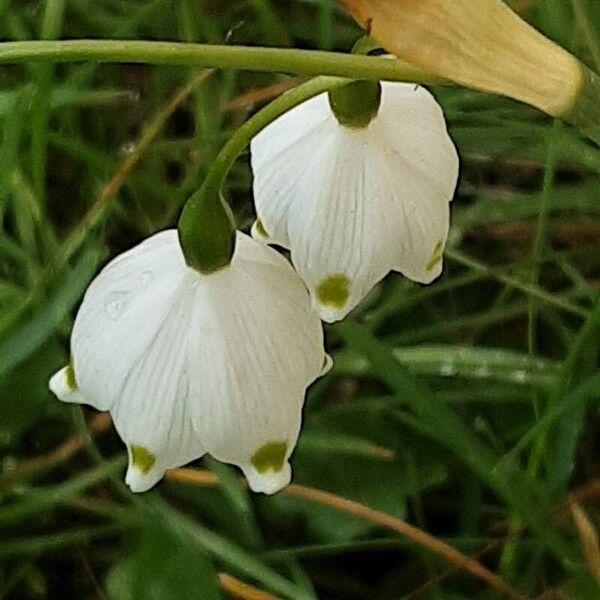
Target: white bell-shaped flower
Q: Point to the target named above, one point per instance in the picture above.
(354, 202)
(189, 363)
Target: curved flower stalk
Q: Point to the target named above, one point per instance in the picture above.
(189, 363)
(355, 185)
(484, 45)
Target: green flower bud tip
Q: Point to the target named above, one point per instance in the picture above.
(356, 104)
(270, 457)
(207, 234)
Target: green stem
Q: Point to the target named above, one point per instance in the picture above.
(528, 288)
(52, 24)
(51, 29)
(585, 115)
(238, 142)
(580, 364)
(47, 498)
(509, 556)
(590, 36)
(279, 60)
(539, 245)
(452, 362)
(26, 546)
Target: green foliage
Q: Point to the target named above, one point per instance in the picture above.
(148, 572)
(468, 407)
(24, 391)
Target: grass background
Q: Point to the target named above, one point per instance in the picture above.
(468, 407)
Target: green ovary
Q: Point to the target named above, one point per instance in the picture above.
(269, 457)
(334, 291)
(142, 458)
(356, 104)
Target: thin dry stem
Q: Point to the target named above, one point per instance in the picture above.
(208, 479)
(435, 581)
(588, 537)
(418, 536)
(99, 424)
(590, 492)
(243, 591)
(258, 95)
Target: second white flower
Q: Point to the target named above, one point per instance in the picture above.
(355, 202)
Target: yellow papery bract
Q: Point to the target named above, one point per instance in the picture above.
(480, 44)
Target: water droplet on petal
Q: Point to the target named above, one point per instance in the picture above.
(115, 304)
(147, 277)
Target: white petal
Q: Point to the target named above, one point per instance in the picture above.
(259, 347)
(279, 156)
(422, 169)
(353, 204)
(64, 386)
(121, 314)
(188, 363)
(289, 129)
(269, 482)
(153, 413)
(129, 348)
(337, 234)
(140, 476)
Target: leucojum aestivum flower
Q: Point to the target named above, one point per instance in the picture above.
(204, 340)
(356, 183)
(189, 363)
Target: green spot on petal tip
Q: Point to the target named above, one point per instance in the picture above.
(269, 458)
(142, 459)
(70, 377)
(260, 229)
(433, 263)
(436, 257)
(334, 291)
